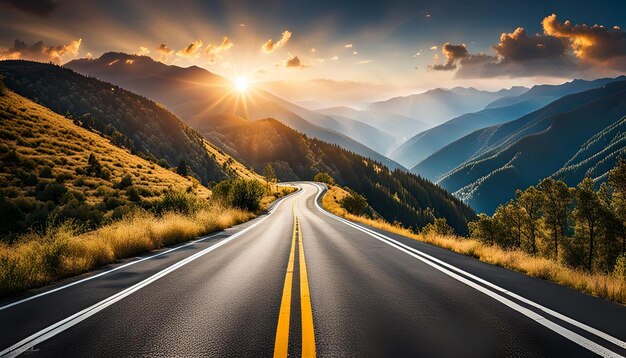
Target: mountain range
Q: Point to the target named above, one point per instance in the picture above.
(197, 96)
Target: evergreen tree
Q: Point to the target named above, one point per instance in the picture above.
(587, 215)
(182, 168)
(269, 174)
(530, 201)
(555, 207)
(617, 181)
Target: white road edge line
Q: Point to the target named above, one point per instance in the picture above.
(438, 264)
(51, 331)
(122, 266)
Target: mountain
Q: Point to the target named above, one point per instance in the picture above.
(440, 105)
(395, 194)
(502, 110)
(397, 126)
(424, 147)
(567, 133)
(197, 96)
(130, 120)
(540, 95)
(49, 176)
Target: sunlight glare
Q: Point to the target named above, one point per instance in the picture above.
(241, 84)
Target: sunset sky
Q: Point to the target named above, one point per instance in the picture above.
(371, 49)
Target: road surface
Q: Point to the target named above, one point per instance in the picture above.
(302, 282)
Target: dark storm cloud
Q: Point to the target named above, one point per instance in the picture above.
(35, 7)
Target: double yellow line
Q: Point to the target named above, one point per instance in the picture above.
(281, 344)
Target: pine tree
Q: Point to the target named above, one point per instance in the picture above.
(182, 169)
(555, 207)
(587, 215)
(617, 181)
(269, 174)
(530, 201)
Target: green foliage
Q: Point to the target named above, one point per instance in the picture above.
(180, 202)
(355, 203)
(240, 193)
(325, 178)
(182, 168)
(582, 227)
(438, 227)
(269, 174)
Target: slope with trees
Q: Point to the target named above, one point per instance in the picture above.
(130, 120)
(394, 194)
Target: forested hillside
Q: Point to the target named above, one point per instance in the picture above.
(52, 170)
(522, 152)
(396, 195)
(130, 120)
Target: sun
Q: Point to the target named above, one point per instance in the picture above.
(241, 84)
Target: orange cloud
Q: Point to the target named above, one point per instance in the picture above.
(40, 52)
(453, 53)
(269, 46)
(590, 43)
(294, 62)
(164, 52)
(213, 51)
(191, 50)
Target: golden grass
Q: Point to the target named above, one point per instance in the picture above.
(232, 166)
(48, 139)
(602, 285)
(36, 260)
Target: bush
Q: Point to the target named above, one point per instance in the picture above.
(240, 193)
(125, 182)
(247, 194)
(180, 202)
(355, 204)
(438, 227)
(324, 178)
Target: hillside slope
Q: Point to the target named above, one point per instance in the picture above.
(198, 96)
(522, 152)
(128, 119)
(503, 110)
(394, 194)
(440, 105)
(46, 172)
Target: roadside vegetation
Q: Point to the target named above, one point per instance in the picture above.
(72, 201)
(609, 284)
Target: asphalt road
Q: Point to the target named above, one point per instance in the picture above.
(302, 282)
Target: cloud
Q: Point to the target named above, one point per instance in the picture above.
(453, 53)
(313, 50)
(143, 51)
(363, 62)
(595, 44)
(164, 52)
(434, 48)
(294, 62)
(41, 8)
(334, 57)
(213, 51)
(191, 50)
(348, 46)
(269, 46)
(562, 49)
(40, 52)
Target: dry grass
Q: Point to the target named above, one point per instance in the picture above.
(602, 285)
(36, 260)
(48, 139)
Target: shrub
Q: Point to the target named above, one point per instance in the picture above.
(45, 172)
(324, 178)
(125, 182)
(180, 202)
(355, 204)
(240, 193)
(438, 227)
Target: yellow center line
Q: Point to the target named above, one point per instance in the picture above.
(281, 345)
(308, 333)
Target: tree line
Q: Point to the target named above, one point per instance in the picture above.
(581, 227)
